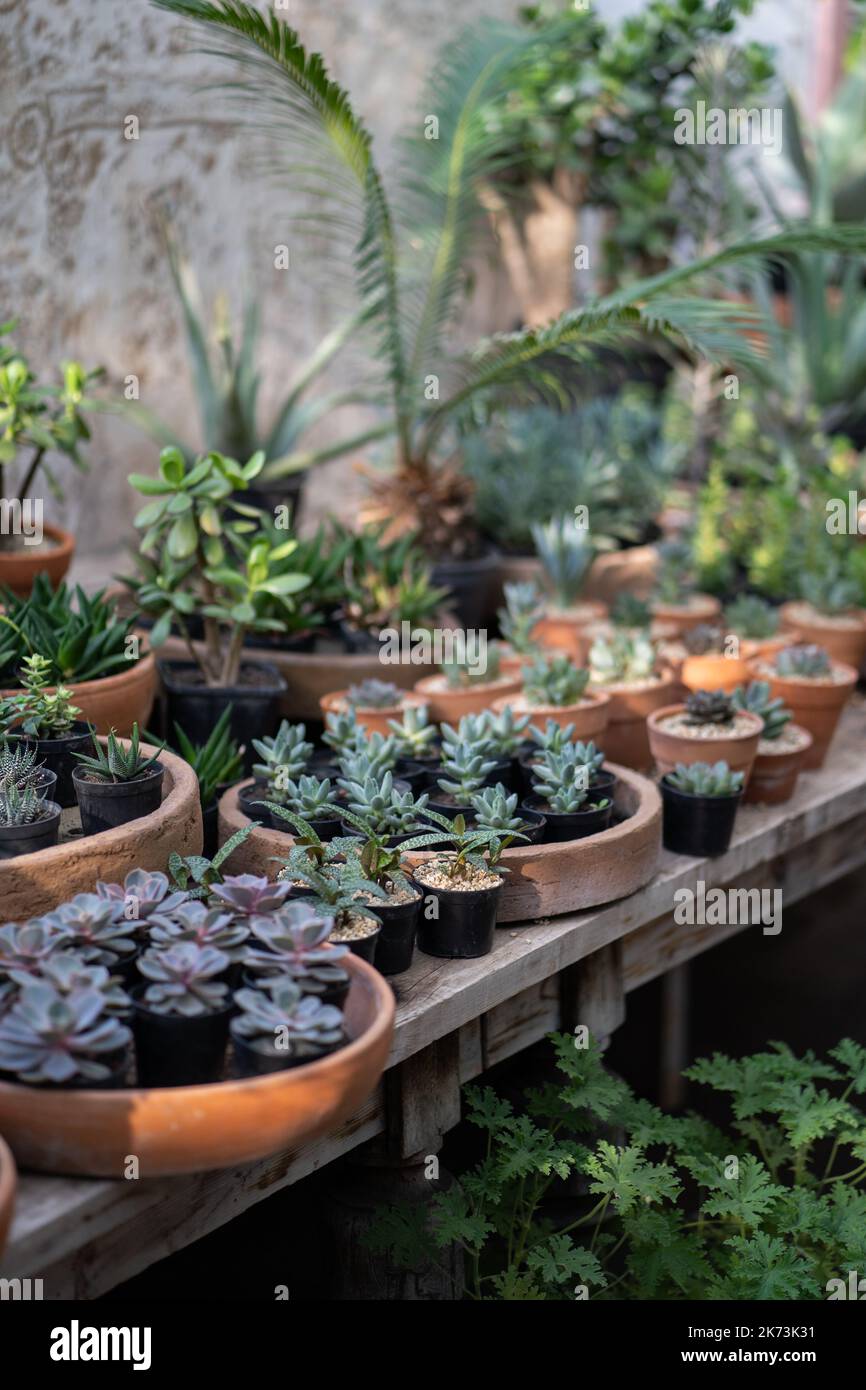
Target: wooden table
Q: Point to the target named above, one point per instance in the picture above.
(455, 1020)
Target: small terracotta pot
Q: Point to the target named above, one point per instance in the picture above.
(625, 739)
(714, 671)
(815, 705)
(447, 705)
(774, 775)
(668, 748)
(8, 1184)
(191, 1129)
(19, 568)
(845, 644)
(754, 647)
(589, 716)
(115, 702)
(684, 617)
(374, 721)
(565, 629)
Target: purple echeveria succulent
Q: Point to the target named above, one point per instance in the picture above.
(69, 971)
(142, 893)
(287, 1021)
(183, 979)
(249, 896)
(96, 927)
(50, 1037)
(24, 946)
(294, 942)
(206, 926)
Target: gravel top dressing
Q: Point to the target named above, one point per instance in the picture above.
(355, 930)
(805, 613)
(788, 741)
(645, 683)
(397, 897)
(678, 724)
(434, 875)
(836, 677)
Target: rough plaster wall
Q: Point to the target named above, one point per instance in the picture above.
(81, 265)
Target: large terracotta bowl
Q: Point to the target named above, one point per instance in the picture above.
(543, 879)
(8, 1183)
(115, 702)
(192, 1129)
(35, 883)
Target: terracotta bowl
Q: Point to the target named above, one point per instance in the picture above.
(37, 883)
(589, 717)
(449, 706)
(845, 644)
(543, 879)
(375, 721)
(116, 702)
(815, 706)
(19, 568)
(668, 749)
(192, 1129)
(8, 1183)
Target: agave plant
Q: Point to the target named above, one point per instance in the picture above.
(554, 680)
(218, 762)
(48, 1037)
(19, 766)
(183, 976)
(294, 942)
(705, 779)
(411, 257)
(96, 926)
(24, 947)
(806, 661)
(114, 763)
(142, 893)
(25, 807)
(286, 1019)
(755, 699)
(247, 896)
(566, 551)
(205, 926)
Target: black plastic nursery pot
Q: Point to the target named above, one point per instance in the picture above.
(534, 828)
(473, 586)
(105, 805)
(364, 946)
(450, 809)
(261, 1061)
(326, 827)
(464, 924)
(58, 756)
(396, 944)
(196, 707)
(250, 801)
(174, 1051)
(26, 839)
(571, 825)
(700, 826)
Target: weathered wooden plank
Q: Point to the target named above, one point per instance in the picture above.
(422, 1098)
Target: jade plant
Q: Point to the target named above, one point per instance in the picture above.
(205, 926)
(621, 659)
(184, 979)
(374, 694)
(805, 662)
(554, 680)
(752, 617)
(705, 779)
(523, 610)
(205, 555)
(563, 783)
(755, 699)
(709, 707)
(287, 752)
(114, 763)
(285, 1019)
(56, 1038)
(414, 734)
(566, 551)
(39, 712)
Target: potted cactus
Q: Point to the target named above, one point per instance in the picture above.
(293, 943)
(699, 804)
(707, 725)
(554, 688)
(782, 748)
(461, 888)
(495, 809)
(829, 612)
(28, 820)
(55, 1038)
(758, 625)
(375, 704)
(563, 793)
(466, 688)
(280, 1026)
(715, 659)
(181, 1017)
(814, 688)
(119, 784)
(626, 668)
(45, 719)
(566, 552)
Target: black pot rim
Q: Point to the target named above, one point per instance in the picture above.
(153, 774)
(462, 894)
(22, 832)
(136, 994)
(78, 730)
(169, 670)
(552, 815)
(666, 787)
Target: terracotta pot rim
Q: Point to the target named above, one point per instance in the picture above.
(708, 604)
(612, 690)
(65, 546)
(801, 750)
(145, 665)
(239, 1086)
(857, 616)
(592, 698)
(461, 692)
(654, 719)
(797, 683)
(330, 701)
